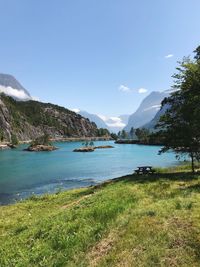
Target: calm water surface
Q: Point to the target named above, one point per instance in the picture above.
(24, 173)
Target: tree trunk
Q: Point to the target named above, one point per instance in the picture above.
(192, 158)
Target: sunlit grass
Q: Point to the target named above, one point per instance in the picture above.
(132, 221)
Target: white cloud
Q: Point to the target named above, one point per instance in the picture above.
(116, 124)
(112, 121)
(157, 107)
(35, 98)
(124, 89)
(75, 110)
(169, 56)
(19, 94)
(142, 90)
(104, 118)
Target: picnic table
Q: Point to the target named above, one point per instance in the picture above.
(144, 170)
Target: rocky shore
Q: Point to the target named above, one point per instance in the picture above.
(7, 146)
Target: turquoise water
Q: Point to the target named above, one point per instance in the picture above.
(23, 173)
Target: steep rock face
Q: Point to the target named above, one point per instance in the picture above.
(31, 119)
(147, 110)
(151, 125)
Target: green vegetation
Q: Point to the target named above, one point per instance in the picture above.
(42, 140)
(28, 118)
(103, 132)
(179, 126)
(114, 136)
(131, 221)
(14, 140)
(142, 134)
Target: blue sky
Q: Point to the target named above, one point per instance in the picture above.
(103, 56)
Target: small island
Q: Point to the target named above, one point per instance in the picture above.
(41, 143)
(89, 147)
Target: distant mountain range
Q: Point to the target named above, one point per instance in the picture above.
(147, 110)
(113, 124)
(147, 115)
(94, 118)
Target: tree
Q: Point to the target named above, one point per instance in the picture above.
(103, 132)
(142, 134)
(14, 140)
(42, 140)
(179, 126)
(132, 133)
(114, 136)
(91, 143)
(124, 134)
(119, 134)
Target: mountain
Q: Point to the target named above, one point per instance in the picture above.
(30, 119)
(147, 110)
(10, 86)
(151, 125)
(113, 124)
(93, 118)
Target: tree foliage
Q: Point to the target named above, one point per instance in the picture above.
(103, 132)
(180, 125)
(142, 134)
(42, 140)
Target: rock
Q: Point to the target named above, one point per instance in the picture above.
(84, 149)
(100, 147)
(90, 148)
(12, 146)
(3, 147)
(39, 148)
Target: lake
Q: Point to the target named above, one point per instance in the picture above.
(24, 173)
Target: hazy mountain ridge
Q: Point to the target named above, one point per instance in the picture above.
(151, 125)
(147, 110)
(94, 118)
(113, 124)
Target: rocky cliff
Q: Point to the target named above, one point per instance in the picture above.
(30, 119)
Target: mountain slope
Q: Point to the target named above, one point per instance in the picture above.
(147, 110)
(94, 118)
(30, 119)
(151, 125)
(10, 86)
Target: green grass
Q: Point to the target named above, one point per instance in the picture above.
(130, 221)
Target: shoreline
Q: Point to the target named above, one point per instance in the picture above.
(111, 217)
(93, 184)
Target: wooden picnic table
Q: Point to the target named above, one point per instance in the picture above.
(144, 170)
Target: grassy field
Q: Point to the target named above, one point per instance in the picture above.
(130, 221)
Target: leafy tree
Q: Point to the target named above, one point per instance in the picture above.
(124, 134)
(91, 143)
(114, 136)
(180, 125)
(103, 132)
(14, 140)
(86, 143)
(1, 135)
(132, 133)
(42, 140)
(119, 134)
(142, 134)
